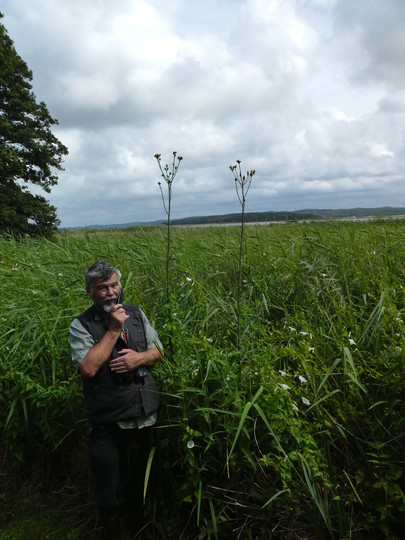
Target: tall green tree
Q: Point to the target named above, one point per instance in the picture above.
(29, 152)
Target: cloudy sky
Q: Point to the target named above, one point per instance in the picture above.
(310, 93)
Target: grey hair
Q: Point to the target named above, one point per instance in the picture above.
(99, 270)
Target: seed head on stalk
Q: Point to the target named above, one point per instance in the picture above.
(242, 181)
(168, 176)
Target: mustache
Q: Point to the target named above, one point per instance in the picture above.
(111, 297)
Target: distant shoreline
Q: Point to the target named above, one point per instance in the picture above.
(285, 222)
(265, 218)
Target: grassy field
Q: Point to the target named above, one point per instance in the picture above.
(283, 395)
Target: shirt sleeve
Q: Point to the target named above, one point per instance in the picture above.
(152, 339)
(81, 341)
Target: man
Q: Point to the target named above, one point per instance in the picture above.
(114, 347)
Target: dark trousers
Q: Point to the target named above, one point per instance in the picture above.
(119, 458)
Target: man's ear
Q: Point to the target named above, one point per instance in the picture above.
(88, 293)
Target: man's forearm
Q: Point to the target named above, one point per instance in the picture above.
(99, 354)
(150, 356)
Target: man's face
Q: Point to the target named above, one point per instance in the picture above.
(105, 293)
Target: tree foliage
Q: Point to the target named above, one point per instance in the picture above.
(29, 152)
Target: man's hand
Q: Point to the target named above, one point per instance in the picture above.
(130, 359)
(117, 318)
(127, 361)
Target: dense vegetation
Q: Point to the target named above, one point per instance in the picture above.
(295, 431)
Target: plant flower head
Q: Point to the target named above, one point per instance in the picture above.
(242, 181)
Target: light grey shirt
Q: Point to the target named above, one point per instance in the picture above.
(81, 341)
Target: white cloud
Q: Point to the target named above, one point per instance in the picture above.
(87, 91)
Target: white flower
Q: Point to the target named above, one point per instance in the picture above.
(190, 444)
(188, 278)
(302, 379)
(60, 274)
(285, 387)
(352, 342)
(305, 401)
(283, 373)
(294, 406)
(209, 340)
(292, 329)
(323, 275)
(311, 349)
(303, 333)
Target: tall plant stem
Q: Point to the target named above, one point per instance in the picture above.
(242, 186)
(169, 230)
(168, 175)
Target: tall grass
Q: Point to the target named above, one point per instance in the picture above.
(306, 441)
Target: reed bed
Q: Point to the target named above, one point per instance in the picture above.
(283, 397)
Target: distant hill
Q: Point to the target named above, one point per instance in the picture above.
(263, 217)
(296, 215)
(384, 211)
(250, 217)
(119, 225)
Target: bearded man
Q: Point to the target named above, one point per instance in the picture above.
(114, 348)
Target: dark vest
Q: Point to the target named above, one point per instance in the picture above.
(113, 397)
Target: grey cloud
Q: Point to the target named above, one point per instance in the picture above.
(393, 104)
(379, 29)
(308, 94)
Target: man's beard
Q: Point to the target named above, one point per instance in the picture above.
(108, 304)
